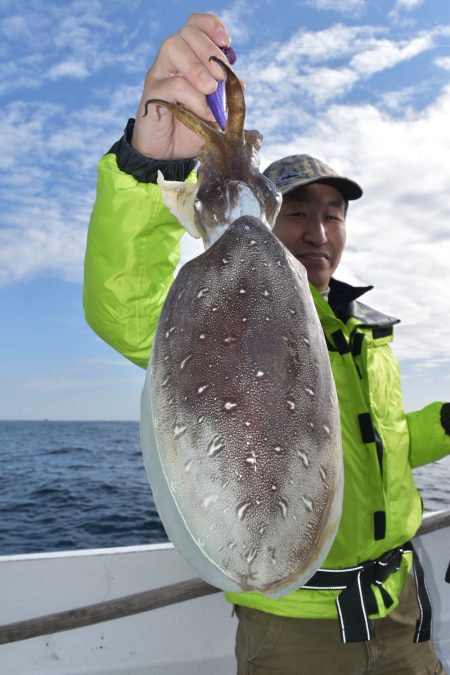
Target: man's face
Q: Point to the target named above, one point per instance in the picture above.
(311, 224)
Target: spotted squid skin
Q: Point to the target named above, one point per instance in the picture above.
(245, 414)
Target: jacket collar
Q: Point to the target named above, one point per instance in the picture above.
(342, 300)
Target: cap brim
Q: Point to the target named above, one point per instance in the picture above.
(348, 188)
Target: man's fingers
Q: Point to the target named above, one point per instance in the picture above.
(177, 58)
(188, 52)
(203, 48)
(212, 26)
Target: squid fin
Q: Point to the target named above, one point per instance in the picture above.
(179, 197)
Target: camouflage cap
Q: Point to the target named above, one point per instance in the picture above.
(297, 170)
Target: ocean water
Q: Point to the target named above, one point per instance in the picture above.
(71, 485)
(68, 485)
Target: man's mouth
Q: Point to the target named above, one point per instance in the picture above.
(311, 255)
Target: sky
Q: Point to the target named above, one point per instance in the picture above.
(362, 84)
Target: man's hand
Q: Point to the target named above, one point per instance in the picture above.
(181, 72)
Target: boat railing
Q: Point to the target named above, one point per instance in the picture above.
(433, 521)
(145, 601)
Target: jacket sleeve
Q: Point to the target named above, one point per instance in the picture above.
(429, 432)
(133, 247)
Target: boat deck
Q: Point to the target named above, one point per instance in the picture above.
(189, 638)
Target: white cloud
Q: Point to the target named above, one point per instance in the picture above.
(344, 6)
(324, 84)
(236, 17)
(329, 44)
(72, 68)
(443, 62)
(401, 101)
(408, 4)
(318, 67)
(383, 54)
(15, 27)
(402, 13)
(45, 215)
(48, 240)
(80, 41)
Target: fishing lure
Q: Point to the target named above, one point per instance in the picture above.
(216, 101)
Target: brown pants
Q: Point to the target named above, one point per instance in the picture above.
(273, 645)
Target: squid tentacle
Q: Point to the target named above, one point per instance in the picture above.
(204, 129)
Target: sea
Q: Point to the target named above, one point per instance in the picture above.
(82, 485)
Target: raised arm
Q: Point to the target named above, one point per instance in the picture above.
(133, 241)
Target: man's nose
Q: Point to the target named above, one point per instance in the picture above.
(315, 231)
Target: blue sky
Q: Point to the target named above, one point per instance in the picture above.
(365, 85)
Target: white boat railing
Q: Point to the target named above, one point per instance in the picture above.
(146, 600)
(434, 521)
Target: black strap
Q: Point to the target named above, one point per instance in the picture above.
(447, 574)
(341, 343)
(357, 599)
(379, 525)
(367, 428)
(424, 623)
(370, 435)
(381, 332)
(356, 343)
(445, 418)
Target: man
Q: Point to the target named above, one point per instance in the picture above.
(355, 616)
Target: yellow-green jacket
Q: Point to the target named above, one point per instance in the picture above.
(132, 250)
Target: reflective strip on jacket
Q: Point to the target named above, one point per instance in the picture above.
(132, 250)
